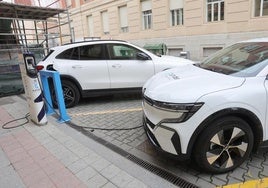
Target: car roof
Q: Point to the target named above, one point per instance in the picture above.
(82, 43)
(265, 39)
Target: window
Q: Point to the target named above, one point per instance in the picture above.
(261, 8)
(72, 53)
(90, 52)
(90, 26)
(123, 19)
(105, 22)
(122, 52)
(176, 12)
(146, 9)
(176, 17)
(215, 10)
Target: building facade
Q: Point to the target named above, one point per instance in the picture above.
(199, 27)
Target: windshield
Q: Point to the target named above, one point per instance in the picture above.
(241, 60)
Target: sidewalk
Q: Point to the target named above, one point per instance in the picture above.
(55, 155)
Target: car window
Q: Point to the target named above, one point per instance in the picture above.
(243, 59)
(91, 52)
(72, 53)
(122, 52)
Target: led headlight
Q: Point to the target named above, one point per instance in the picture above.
(183, 110)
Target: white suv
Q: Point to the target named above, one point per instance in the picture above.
(104, 66)
(215, 111)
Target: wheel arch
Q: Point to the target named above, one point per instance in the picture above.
(73, 80)
(244, 114)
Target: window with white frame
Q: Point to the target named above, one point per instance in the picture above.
(123, 19)
(215, 10)
(261, 8)
(176, 12)
(90, 26)
(146, 8)
(105, 23)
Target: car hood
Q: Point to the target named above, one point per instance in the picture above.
(167, 58)
(186, 84)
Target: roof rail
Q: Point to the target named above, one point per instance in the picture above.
(88, 41)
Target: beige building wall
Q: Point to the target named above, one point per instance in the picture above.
(196, 35)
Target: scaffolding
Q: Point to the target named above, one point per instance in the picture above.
(27, 28)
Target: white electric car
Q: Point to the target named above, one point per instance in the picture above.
(215, 111)
(100, 67)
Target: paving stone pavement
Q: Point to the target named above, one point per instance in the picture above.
(55, 155)
(124, 111)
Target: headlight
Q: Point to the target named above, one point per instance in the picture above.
(183, 110)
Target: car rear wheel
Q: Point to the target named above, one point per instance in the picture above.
(70, 93)
(224, 145)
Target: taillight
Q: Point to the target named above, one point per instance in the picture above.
(39, 67)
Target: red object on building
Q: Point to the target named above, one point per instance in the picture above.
(23, 2)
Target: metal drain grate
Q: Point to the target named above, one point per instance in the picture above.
(148, 166)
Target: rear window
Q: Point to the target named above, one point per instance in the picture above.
(88, 52)
(50, 52)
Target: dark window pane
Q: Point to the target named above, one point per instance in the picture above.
(222, 10)
(75, 54)
(257, 7)
(265, 8)
(209, 13)
(216, 12)
(65, 54)
(91, 52)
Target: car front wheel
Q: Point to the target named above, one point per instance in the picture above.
(224, 145)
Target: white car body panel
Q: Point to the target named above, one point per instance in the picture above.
(129, 73)
(90, 74)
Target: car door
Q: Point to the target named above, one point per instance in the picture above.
(126, 69)
(87, 64)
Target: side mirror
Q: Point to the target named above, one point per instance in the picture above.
(142, 56)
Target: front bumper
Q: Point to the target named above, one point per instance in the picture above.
(164, 139)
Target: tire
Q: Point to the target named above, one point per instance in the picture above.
(70, 93)
(224, 145)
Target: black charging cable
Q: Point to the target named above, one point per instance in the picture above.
(5, 125)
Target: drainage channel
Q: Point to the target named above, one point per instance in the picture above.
(175, 180)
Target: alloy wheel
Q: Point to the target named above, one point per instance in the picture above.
(226, 147)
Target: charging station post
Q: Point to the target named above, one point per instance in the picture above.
(32, 89)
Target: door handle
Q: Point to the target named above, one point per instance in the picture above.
(77, 66)
(116, 65)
